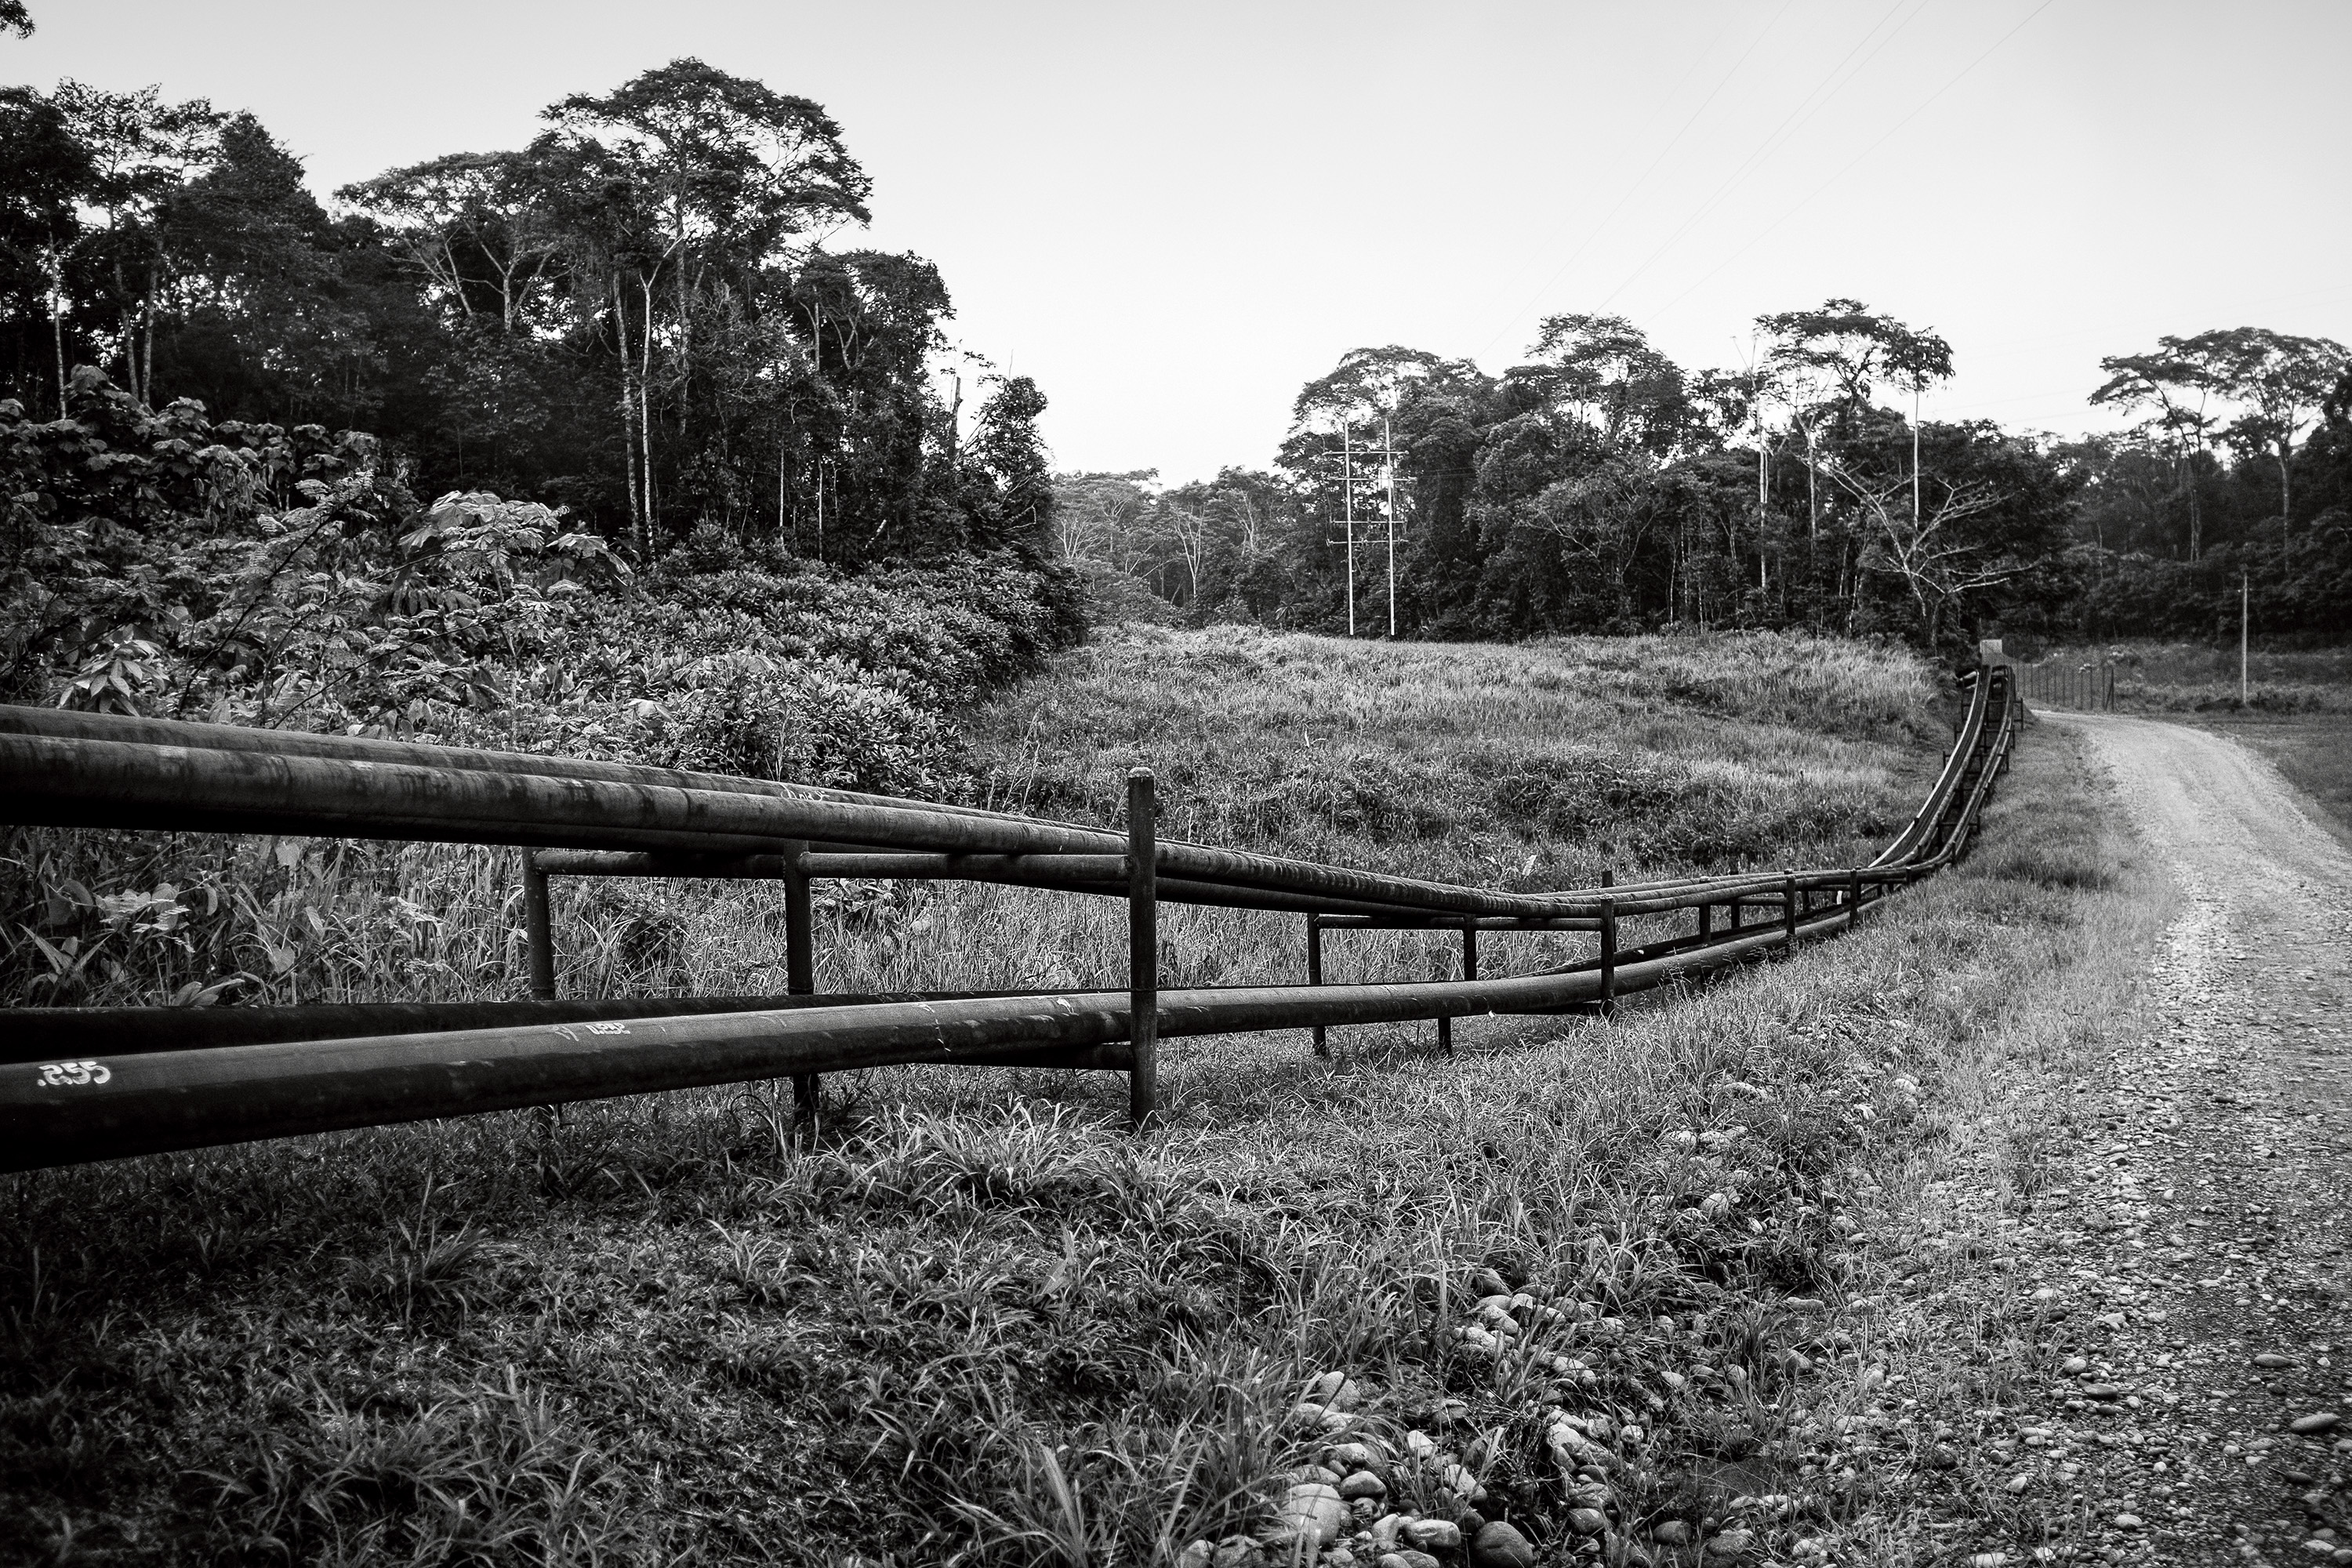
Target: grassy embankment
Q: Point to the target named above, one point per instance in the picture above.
(979, 1320)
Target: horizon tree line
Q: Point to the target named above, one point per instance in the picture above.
(1598, 486)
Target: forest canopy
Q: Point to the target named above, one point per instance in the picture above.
(708, 491)
(654, 319)
(650, 315)
(1598, 486)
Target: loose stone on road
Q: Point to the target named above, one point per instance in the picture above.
(2194, 1259)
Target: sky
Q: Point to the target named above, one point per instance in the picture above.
(1172, 216)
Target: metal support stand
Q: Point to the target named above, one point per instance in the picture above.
(1706, 921)
(799, 978)
(1607, 956)
(1315, 973)
(1789, 904)
(1469, 972)
(1143, 948)
(1854, 898)
(539, 928)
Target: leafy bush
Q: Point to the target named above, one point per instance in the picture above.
(159, 563)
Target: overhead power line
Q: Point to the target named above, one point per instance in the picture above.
(1813, 103)
(1641, 181)
(1758, 237)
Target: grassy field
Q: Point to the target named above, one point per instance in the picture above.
(2298, 713)
(2198, 678)
(979, 1323)
(2312, 752)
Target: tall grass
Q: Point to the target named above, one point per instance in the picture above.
(2201, 678)
(1535, 767)
(977, 1322)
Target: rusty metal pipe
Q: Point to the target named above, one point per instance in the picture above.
(1453, 922)
(120, 1105)
(48, 1034)
(71, 724)
(110, 784)
(78, 782)
(1222, 865)
(1080, 873)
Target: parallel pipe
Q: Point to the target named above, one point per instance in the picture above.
(73, 782)
(110, 784)
(70, 724)
(95, 1105)
(1080, 873)
(51, 1033)
(107, 1106)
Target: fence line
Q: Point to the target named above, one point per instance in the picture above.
(82, 1084)
(2081, 685)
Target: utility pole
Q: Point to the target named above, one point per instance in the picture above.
(1763, 493)
(1388, 456)
(1348, 504)
(1386, 451)
(2244, 595)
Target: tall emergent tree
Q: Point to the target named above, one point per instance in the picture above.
(640, 315)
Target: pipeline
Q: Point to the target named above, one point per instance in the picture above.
(109, 1083)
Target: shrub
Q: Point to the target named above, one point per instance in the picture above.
(159, 563)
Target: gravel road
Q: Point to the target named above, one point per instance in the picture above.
(2194, 1246)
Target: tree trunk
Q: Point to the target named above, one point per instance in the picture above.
(2286, 492)
(147, 358)
(1812, 491)
(685, 366)
(645, 405)
(456, 279)
(130, 353)
(628, 412)
(58, 333)
(129, 329)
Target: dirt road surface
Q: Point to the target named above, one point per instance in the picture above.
(2205, 1412)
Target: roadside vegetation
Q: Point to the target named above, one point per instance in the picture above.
(977, 1322)
(164, 565)
(2312, 752)
(2297, 713)
(2194, 678)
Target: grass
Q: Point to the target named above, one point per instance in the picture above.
(2298, 712)
(1917, 1433)
(2200, 677)
(979, 1323)
(2312, 751)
